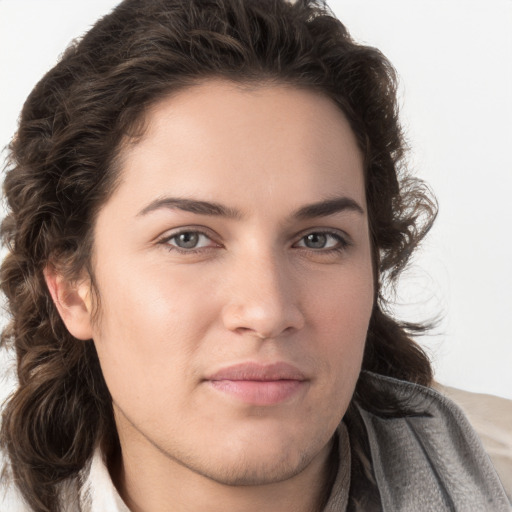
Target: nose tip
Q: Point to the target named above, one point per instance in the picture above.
(263, 304)
(262, 321)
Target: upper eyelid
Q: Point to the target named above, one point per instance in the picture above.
(326, 231)
(166, 239)
(341, 242)
(171, 233)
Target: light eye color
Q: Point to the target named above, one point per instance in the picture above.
(320, 240)
(192, 240)
(189, 240)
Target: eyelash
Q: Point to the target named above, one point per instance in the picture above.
(165, 241)
(342, 242)
(341, 246)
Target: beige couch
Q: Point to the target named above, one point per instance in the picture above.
(491, 417)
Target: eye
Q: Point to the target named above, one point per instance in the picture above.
(322, 240)
(188, 241)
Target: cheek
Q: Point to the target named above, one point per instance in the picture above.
(344, 302)
(150, 327)
(342, 316)
(150, 303)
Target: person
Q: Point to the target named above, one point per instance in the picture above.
(205, 201)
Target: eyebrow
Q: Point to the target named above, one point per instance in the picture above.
(193, 206)
(328, 207)
(310, 211)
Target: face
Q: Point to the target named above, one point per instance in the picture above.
(234, 272)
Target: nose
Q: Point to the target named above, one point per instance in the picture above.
(263, 298)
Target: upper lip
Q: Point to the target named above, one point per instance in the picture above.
(259, 372)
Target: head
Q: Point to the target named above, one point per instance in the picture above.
(195, 185)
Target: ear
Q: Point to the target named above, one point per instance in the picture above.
(73, 302)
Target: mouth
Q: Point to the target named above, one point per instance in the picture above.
(257, 384)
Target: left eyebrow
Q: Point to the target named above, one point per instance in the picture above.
(328, 207)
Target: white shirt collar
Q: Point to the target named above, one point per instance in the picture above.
(98, 493)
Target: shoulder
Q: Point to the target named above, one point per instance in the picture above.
(91, 490)
(12, 501)
(430, 458)
(10, 498)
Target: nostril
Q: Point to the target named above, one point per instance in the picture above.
(247, 331)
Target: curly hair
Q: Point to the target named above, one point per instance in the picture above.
(64, 165)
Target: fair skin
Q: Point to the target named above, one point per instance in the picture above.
(232, 350)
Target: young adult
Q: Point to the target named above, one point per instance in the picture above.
(205, 200)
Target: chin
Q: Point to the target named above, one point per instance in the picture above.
(248, 470)
(262, 460)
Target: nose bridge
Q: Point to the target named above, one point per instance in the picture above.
(262, 296)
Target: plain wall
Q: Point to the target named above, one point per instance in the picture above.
(454, 59)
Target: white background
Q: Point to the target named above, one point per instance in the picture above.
(454, 58)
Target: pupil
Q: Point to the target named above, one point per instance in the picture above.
(187, 240)
(316, 241)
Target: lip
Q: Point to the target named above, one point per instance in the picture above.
(259, 384)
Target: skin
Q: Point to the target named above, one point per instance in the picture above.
(254, 289)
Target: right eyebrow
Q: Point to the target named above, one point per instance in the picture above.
(193, 206)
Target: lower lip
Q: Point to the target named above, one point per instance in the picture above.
(259, 392)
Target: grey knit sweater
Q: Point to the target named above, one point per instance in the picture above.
(432, 461)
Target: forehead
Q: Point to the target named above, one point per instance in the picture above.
(225, 141)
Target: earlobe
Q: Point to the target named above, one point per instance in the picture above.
(73, 302)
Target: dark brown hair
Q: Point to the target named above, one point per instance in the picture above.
(63, 167)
